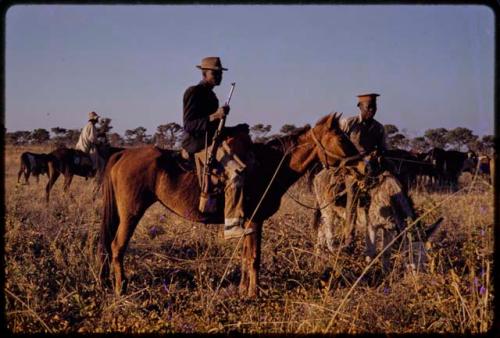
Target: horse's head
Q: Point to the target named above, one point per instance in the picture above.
(332, 143)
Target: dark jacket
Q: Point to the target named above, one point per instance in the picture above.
(199, 103)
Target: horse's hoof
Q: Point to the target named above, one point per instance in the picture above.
(122, 289)
(252, 294)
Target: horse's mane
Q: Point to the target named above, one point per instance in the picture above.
(289, 140)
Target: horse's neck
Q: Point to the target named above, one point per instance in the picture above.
(303, 155)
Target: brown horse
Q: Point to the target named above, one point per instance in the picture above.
(136, 178)
(70, 162)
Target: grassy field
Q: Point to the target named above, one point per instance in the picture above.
(182, 277)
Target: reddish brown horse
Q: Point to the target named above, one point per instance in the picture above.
(137, 178)
(69, 162)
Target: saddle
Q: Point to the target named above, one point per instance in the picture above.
(81, 159)
(177, 159)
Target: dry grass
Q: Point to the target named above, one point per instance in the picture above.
(175, 268)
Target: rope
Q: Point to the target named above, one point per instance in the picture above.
(285, 154)
(405, 160)
(408, 227)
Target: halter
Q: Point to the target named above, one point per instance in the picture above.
(324, 151)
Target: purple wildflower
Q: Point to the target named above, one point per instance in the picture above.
(162, 218)
(476, 282)
(483, 209)
(482, 290)
(153, 231)
(386, 290)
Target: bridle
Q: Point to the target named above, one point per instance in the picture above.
(325, 153)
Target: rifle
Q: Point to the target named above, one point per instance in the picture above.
(207, 201)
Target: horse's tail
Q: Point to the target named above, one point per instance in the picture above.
(110, 219)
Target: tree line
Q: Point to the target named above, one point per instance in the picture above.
(170, 135)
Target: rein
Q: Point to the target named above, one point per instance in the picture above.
(404, 160)
(324, 151)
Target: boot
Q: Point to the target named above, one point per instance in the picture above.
(235, 231)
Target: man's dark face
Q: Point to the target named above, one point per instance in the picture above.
(368, 110)
(213, 77)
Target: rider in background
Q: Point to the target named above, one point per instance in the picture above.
(87, 142)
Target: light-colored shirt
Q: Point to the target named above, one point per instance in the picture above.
(88, 138)
(366, 136)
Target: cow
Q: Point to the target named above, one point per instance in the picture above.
(449, 164)
(407, 166)
(386, 207)
(484, 165)
(32, 163)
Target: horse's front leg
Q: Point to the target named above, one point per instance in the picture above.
(251, 260)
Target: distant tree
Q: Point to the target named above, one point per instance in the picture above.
(71, 137)
(103, 128)
(483, 146)
(58, 131)
(140, 135)
(130, 136)
(460, 137)
(394, 138)
(488, 142)
(167, 135)
(116, 140)
(288, 129)
(10, 138)
(436, 137)
(419, 144)
(259, 132)
(59, 135)
(20, 137)
(39, 136)
(398, 141)
(390, 129)
(137, 136)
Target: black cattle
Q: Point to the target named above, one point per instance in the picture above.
(449, 164)
(32, 163)
(407, 167)
(484, 167)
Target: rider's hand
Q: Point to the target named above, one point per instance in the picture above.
(219, 114)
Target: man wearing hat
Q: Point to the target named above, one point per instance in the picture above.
(201, 119)
(367, 134)
(87, 141)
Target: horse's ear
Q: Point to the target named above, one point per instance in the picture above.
(334, 121)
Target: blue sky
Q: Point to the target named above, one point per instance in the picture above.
(432, 65)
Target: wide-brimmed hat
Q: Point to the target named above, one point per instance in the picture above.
(211, 62)
(368, 97)
(93, 115)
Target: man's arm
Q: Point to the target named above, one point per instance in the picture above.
(192, 105)
(92, 136)
(383, 145)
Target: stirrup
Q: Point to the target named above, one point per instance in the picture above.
(236, 231)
